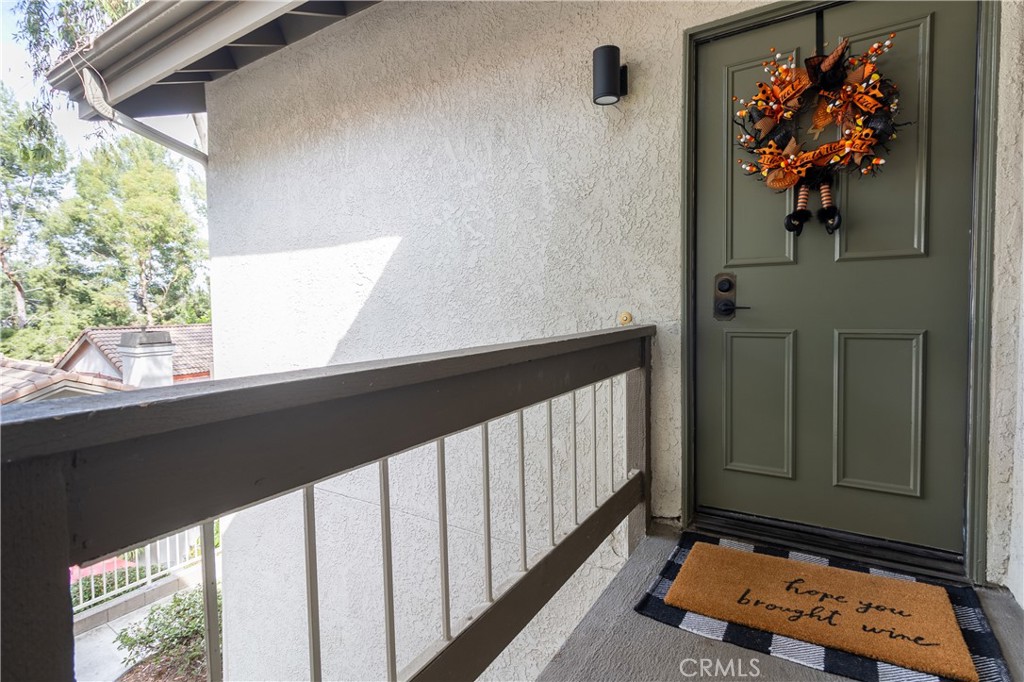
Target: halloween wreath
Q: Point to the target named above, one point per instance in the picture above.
(847, 92)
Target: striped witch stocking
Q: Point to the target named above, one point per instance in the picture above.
(829, 212)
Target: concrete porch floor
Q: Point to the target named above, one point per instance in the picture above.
(613, 642)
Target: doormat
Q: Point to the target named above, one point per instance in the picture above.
(838, 657)
(909, 624)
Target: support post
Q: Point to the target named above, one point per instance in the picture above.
(37, 639)
(638, 443)
(211, 614)
(312, 582)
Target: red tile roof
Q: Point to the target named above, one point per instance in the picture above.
(193, 346)
(19, 378)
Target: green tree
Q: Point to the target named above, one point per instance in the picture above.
(127, 226)
(52, 28)
(33, 161)
(124, 249)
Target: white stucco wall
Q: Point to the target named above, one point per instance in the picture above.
(431, 176)
(91, 361)
(1006, 438)
(428, 177)
(425, 177)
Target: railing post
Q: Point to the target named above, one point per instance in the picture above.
(211, 614)
(149, 563)
(442, 528)
(638, 441)
(312, 582)
(389, 575)
(611, 435)
(36, 630)
(551, 476)
(485, 451)
(521, 448)
(575, 461)
(593, 435)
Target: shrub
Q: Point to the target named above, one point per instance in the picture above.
(171, 637)
(87, 587)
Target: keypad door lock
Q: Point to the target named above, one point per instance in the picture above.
(725, 297)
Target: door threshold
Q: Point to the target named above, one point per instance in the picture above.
(924, 562)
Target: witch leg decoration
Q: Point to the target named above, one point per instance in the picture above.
(829, 212)
(795, 220)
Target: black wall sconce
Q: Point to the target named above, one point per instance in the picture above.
(610, 80)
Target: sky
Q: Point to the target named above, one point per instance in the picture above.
(79, 135)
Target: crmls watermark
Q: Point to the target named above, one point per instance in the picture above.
(732, 668)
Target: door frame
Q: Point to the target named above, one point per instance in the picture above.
(983, 227)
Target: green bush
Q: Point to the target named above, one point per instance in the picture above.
(172, 635)
(90, 586)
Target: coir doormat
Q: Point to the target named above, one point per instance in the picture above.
(755, 617)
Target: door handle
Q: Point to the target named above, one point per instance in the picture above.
(727, 307)
(724, 304)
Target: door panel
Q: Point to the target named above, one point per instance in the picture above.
(878, 435)
(903, 233)
(757, 405)
(839, 399)
(745, 242)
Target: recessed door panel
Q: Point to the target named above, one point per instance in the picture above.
(877, 434)
(758, 402)
(836, 395)
(746, 242)
(894, 226)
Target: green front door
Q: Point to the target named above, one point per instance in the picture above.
(839, 399)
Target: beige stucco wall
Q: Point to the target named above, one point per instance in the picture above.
(432, 176)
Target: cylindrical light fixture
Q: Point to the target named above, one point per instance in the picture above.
(610, 83)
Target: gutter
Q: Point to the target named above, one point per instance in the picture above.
(93, 92)
(155, 40)
(108, 50)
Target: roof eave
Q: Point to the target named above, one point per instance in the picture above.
(156, 39)
(120, 40)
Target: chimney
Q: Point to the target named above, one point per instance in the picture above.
(146, 358)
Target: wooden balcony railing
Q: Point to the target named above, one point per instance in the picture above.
(86, 478)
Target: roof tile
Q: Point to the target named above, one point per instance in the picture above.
(193, 345)
(19, 378)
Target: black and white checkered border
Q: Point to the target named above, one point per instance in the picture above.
(981, 641)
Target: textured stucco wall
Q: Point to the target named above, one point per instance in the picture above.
(432, 176)
(425, 177)
(1006, 438)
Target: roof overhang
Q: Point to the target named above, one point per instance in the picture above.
(157, 60)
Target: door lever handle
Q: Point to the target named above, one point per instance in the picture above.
(727, 307)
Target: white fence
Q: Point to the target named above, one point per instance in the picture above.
(99, 582)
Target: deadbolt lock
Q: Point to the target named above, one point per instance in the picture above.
(725, 297)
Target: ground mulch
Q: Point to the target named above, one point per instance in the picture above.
(151, 670)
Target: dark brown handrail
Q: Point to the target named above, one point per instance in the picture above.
(46, 427)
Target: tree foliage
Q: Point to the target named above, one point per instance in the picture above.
(53, 28)
(127, 225)
(122, 249)
(33, 160)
